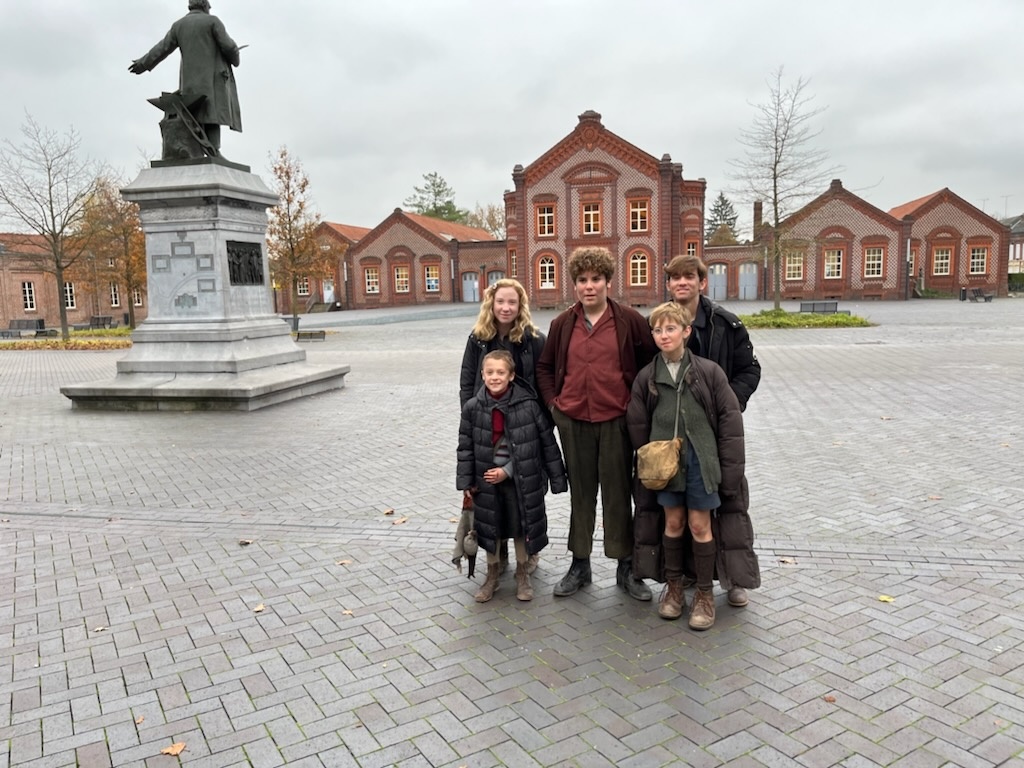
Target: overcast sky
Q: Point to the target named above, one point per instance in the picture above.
(370, 95)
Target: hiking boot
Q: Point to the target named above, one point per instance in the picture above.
(578, 575)
(672, 600)
(532, 563)
(635, 588)
(490, 585)
(738, 597)
(702, 614)
(524, 590)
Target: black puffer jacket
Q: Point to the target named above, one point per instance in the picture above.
(721, 336)
(524, 353)
(535, 454)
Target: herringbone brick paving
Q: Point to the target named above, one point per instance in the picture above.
(882, 461)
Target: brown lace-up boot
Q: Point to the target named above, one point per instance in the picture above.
(672, 600)
(490, 585)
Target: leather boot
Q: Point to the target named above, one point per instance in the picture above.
(524, 590)
(490, 585)
(672, 600)
(578, 575)
(702, 615)
(624, 579)
(531, 564)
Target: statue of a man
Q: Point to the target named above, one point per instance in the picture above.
(207, 56)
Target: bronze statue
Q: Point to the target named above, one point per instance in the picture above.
(207, 97)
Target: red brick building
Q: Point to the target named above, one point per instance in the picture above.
(955, 245)
(27, 290)
(595, 188)
(412, 259)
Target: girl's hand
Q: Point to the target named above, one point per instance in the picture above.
(495, 475)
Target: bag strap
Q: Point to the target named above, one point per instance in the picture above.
(679, 395)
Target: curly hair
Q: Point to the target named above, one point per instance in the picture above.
(591, 259)
(486, 329)
(672, 312)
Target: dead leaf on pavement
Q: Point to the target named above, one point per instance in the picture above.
(174, 750)
(934, 497)
(139, 720)
(399, 521)
(99, 629)
(244, 542)
(389, 511)
(453, 519)
(887, 599)
(343, 562)
(830, 699)
(346, 612)
(787, 560)
(886, 418)
(259, 608)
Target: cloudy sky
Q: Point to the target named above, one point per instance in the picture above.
(370, 95)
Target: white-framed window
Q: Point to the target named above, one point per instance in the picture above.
(401, 279)
(115, 295)
(873, 258)
(979, 260)
(303, 286)
(137, 297)
(833, 263)
(28, 296)
(639, 215)
(545, 221)
(546, 268)
(638, 268)
(691, 247)
(513, 263)
(432, 278)
(794, 265)
(912, 262)
(371, 279)
(940, 260)
(591, 218)
(69, 296)
(110, 262)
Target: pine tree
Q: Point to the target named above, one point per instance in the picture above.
(722, 214)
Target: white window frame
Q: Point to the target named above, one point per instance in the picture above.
(639, 216)
(115, 295)
(28, 296)
(513, 263)
(302, 286)
(832, 267)
(403, 281)
(432, 278)
(793, 265)
(979, 260)
(371, 280)
(546, 273)
(946, 253)
(639, 269)
(137, 297)
(546, 220)
(874, 259)
(69, 296)
(591, 218)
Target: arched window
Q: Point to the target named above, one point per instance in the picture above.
(639, 272)
(546, 272)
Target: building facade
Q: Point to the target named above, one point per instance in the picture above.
(593, 188)
(29, 291)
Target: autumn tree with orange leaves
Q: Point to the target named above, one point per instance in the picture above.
(296, 254)
(116, 261)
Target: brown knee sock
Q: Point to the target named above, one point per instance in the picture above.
(704, 564)
(672, 549)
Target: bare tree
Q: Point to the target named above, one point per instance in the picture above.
(781, 163)
(45, 187)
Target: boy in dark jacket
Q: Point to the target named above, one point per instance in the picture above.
(682, 395)
(507, 456)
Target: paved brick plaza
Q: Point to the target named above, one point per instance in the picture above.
(882, 461)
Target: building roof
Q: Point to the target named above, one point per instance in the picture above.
(907, 208)
(449, 230)
(350, 232)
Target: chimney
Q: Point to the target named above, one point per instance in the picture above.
(757, 217)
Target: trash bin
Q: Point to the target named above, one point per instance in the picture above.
(127, 318)
(963, 294)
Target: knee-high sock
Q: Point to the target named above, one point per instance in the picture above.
(672, 549)
(704, 564)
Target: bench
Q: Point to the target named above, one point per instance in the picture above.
(320, 335)
(36, 326)
(977, 294)
(820, 307)
(101, 321)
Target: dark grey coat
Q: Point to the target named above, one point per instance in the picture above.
(537, 460)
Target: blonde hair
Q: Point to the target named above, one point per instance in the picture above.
(672, 311)
(486, 329)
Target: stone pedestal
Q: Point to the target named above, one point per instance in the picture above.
(211, 339)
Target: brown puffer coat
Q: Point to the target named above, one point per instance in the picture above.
(737, 564)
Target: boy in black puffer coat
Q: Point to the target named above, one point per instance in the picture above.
(507, 456)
